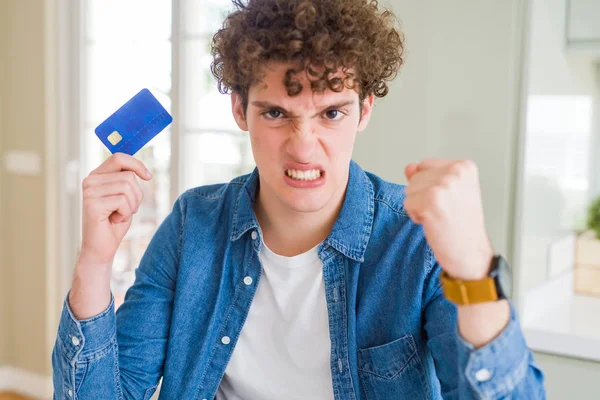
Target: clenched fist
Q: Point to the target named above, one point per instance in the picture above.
(444, 197)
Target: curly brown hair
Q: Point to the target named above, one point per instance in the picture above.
(317, 36)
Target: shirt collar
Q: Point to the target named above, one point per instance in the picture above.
(352, 229)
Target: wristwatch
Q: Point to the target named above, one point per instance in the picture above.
(496, 286)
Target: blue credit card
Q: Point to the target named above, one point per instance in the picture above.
(133, 125)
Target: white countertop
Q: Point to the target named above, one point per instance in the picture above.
(557, 321)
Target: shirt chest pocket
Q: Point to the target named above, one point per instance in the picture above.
(393, 370)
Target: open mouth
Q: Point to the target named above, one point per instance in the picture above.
(309, 175)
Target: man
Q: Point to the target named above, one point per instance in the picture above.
(308, 278)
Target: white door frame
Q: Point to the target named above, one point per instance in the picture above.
(63, 216)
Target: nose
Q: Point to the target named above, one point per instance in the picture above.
(302, 141)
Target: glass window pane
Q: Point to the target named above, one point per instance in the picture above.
(203, 106)
(558, 138)
(117, 20)
(116, 72)
(203, 17)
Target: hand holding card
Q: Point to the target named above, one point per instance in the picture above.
(111, 195)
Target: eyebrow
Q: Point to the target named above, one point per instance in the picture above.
(266, 104)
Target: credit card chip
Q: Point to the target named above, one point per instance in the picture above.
(114, 138)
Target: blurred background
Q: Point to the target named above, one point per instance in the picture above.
(512, 84)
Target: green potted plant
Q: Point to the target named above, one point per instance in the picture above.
(593, 218)
(587, 253)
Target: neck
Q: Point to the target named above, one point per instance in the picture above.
(288, 232)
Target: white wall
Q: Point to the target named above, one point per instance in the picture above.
(583, 20)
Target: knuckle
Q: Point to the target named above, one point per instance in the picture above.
(127, 203)
(119, 157)
(448, 180)
(435, 195)
(457, 168)
(124, 186)
(137, 189)
(463, 167)
(89, 192)
(469, 163)
(472, 167)
(131, 187)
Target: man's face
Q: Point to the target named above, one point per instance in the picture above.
(302, 145)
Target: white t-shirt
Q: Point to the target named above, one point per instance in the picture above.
(283, 351)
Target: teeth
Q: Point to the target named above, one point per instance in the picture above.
(304, 175)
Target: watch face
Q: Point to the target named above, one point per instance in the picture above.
(503, 278)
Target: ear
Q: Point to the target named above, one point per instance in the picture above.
(367, 108)
(238, 111)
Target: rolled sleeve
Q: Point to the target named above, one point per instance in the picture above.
(497, 368)
(81, 339)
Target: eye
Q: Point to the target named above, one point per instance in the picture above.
(334, 115)
(273, 114)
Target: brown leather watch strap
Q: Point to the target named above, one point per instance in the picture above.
(468, 292)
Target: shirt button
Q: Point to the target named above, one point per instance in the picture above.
(70, 393)
(75, 340)
(225, 340)
(483, 375)
(254, 235)
(248, 280)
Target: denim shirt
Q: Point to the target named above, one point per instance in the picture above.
(393, 334)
